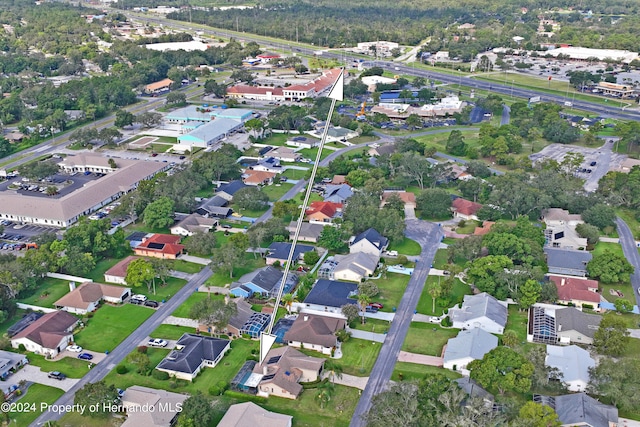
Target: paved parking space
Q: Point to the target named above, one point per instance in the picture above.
(97, 356)
(35, 374)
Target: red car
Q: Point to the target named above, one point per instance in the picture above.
(376, 305)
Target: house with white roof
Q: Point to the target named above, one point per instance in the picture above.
(467, 346)
(573, 364)
(480, 311)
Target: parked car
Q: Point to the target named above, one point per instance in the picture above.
(75, 348)
(57, 375)
(85, 356)
(152, 304)
(139, 297)
(392, 253)
(157, 342)
(593, 163)
(376, 305)
(154, 154)
(370, 309)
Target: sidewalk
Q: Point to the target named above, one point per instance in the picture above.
(180, 275)
(369, 336)
(380, 315)
(195, 259)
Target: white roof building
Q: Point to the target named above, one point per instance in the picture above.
(583, 53)
(573, 363)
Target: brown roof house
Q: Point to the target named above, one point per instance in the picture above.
(465, 209)
(248, 414)
(315, 332)
(86, 297)
(254, 177)
(49, 335)
(283, 369)
(409, 199)
(118, 272)
(150, 407)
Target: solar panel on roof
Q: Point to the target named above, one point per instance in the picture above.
(274, 359)
(155, 245)
(268, 377)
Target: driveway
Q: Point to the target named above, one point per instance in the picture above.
(35, 375)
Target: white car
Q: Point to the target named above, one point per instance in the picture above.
(139, 297)
(157, 343)
(392, 253)
(75, 348)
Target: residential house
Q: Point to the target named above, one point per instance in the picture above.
(194, 223)
(49, 335)
(465, 209)
(264, 281)
(10, 363)
(337, 193)
(338, 179)
(284, 154)
(308, 232)
(573, 364)
(561, 229)
(118, 272)
(214, 208)
(382, 149)
(248, 414)
(150, 407)
(329, 296)
(556, 324)
(323, 212)
(158, 86)
(255, 177)
(467, 346)
(577, 291)
(14, 137)
(355, 266)
(268, 164)
(567, 261)
(554, 217)
(21, 324)
(473, 389)
(283, 369)
(279, 251)
(191, 354)
(164, 246)
(302, 142)
(480, 311)
(314, 332)
(409, 199)
(227, 191)
(86, 297)
(579, 409)
(369, 241)
(246, 321)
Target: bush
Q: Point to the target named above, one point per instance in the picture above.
(160, 375)
(402, 260)
(311, 384)
(446, 322)
(122, 369)
(142, 349)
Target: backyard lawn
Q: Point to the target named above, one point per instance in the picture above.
(295, 174)
(427, 338)
(603, 246)
(440, 259)
(110, 325)
(185, 267)
(414, 371)
(406, 247)
(48, 291)
(163, 292)
(275, 191)
(468, 228)
(391, 290)
(184, 308)
(221, 278)
(97, 274)
(458, 291)
(36, 394)
(517, 322)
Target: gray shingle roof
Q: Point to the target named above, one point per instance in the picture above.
(572, 361)
(337, 193)
(475, 306)
(567, 261)
(196, 349)
(280, 250)
(473, 389)
(372, 236)
(231, 188)
(473, 343)
(332, 293)
(581, 409)
(307, 230)
(572, 319)
(265, 278)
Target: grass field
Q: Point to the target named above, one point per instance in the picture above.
(439, 140)
(110, 325)
(358, 356)
(275, 191)
(372, 325)
(440, 259)
(629, 217)
(468, 228)
(171, 332)
(517, 322)
(311, 153)
(48, 291)
(185, 267)
(36, 394)
(295, 174)
(406, 247)
(405, 371)
(427, 338)
(184, 308)
(606, 246)
(221, 278)
(391, 290)
(458, 291)
(71, 366)
(97, 274)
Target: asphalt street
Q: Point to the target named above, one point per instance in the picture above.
(428, 235)
(630, 250)
(118, 354)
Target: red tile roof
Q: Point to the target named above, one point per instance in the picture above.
(170, 244)
(328, 209)
(572, 288)
(318, 85)
(245, 89)
(257, 177)
(465, 207)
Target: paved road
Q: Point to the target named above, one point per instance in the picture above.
(630, 251)
(127, 346)
(428, 235)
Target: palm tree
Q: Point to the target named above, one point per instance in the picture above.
(334, 369)
(363, 302)
(325, 391)
(288, 300)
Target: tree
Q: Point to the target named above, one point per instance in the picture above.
(600, 216)
(149, 119)
(398, 406)
(481, 271)
(250, 198)
(176, 98)
(590, 232)
(413, 121)
(124, 118)
(201, 242)
(610, 267)
(333, 368)
(618, 381)
(99, 396)
(324, 394)
(229, 256)
(510, 338)
(368, 288)
(311, 257)
(159, 213)
(213, 313)
(350, 311)
(363, 302)
(196, 411)
(534, 414)
(623, 306)
(504, 369)
(140, 272)
(141, 360)
(112, 163)
(529, 294)
(456, 144)
(213, 87)
(435, 290)
(478, 169)
(109, 135)
(434, 203)
(548, 292)
(38, 170)
(612, 336)
(288, 300)
(333, 239)
(414, 167)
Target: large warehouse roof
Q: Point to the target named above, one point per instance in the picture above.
(584, 53)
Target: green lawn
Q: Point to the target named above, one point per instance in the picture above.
(48, 291)
(406, 247)
(295, 174)
(440, 259)
(414, 371)
(140, 226)
(276, 139)
(227, 368)
(110, 325)
(427, 338)
(184, 308)
(249, 213)
(36, 394)
(185, 267)
(4, 326)
(160, 148)
(517, 322)
(311, 153)
(275, 191)
(163, 292)
(630, 218)
(97, 274)
(468, 228)
(358, 356)
(220, 278)
(391, 290)
(372, 325)
(625, 288)
(612, 247)
(71, 366)
(76, 419)
(171, 332)
(458, 291)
